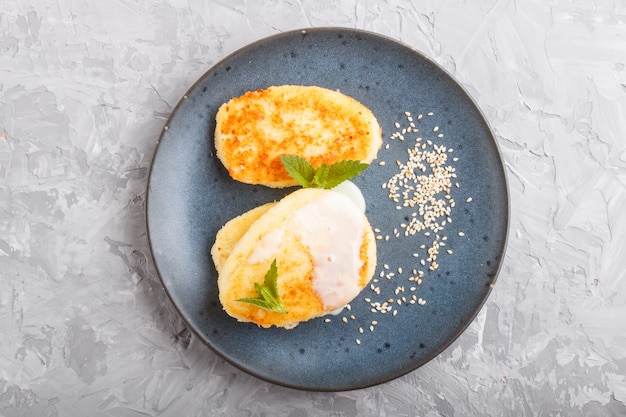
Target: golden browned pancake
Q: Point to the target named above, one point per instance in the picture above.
(278, 235)
(320, 125)
(228, 236)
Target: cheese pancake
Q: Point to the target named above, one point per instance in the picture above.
(228, 236)
(325, 252)
(320, 125)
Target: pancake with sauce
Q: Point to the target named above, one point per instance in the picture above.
(325, 252)
(320, 125)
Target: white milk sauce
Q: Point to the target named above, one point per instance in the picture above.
(332, 228)
(267, 247)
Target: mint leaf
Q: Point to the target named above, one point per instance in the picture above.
(268, 298)
(325, 176)
(299, 169)
(342, 171)
(321, 176)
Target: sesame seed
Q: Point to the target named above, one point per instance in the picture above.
(358, 342)
(421, 192)
(469, 200)
(461, 234)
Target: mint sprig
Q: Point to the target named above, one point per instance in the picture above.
(325, 176)
(269, 298)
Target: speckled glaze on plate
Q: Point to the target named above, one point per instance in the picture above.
(190, 197)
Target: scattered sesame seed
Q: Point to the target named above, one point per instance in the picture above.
(358, 342)
(469, 200)
(461, 234)
(421, 191)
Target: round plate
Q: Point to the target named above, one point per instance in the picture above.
(191, 196)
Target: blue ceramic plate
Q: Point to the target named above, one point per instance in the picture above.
(190, 196)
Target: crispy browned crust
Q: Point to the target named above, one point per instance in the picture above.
(321, 125)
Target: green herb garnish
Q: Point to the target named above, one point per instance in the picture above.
(325, 176)
(268, 298)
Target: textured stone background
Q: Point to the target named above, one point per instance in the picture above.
(85, 87)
